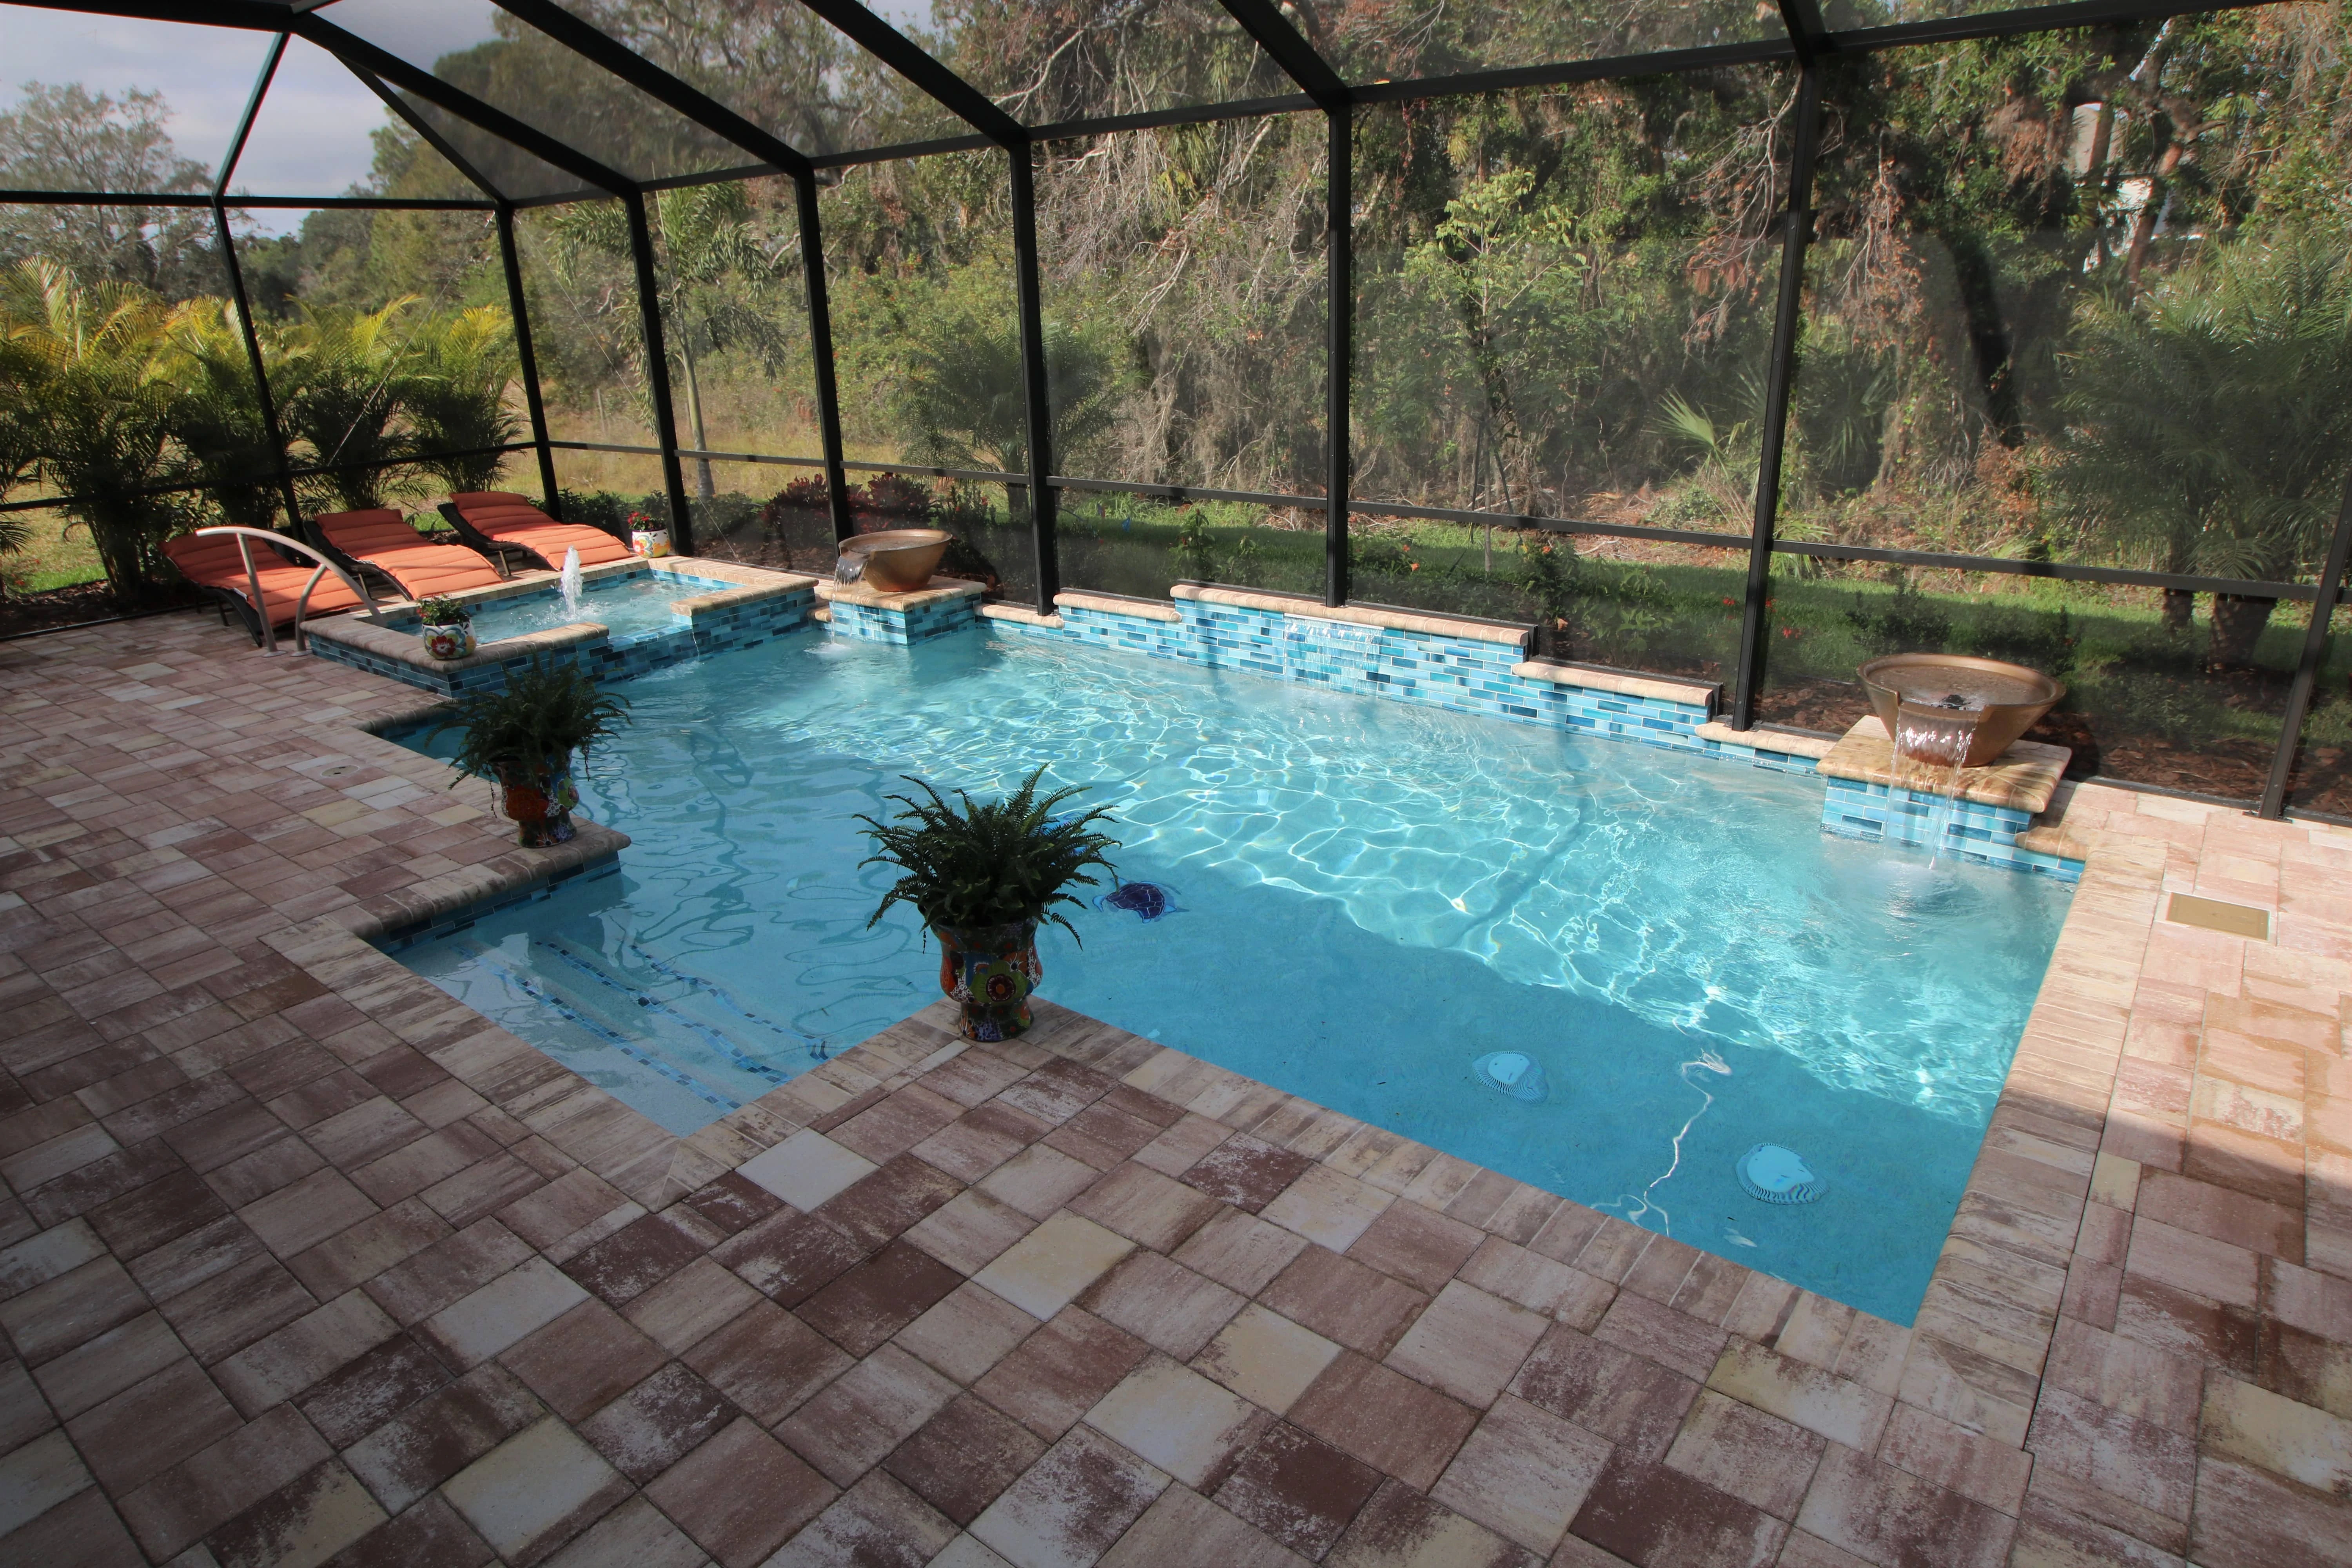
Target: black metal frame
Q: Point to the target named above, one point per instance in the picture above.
(1807, 43)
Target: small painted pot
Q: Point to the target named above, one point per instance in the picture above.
(453, 639)
(650, 542)
(991, 970)
(541, 804)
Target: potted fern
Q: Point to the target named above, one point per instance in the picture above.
(522, 738)
(983, 874)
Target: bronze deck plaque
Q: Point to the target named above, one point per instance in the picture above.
(2213, 914)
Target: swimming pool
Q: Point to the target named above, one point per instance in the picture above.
(1369, 897)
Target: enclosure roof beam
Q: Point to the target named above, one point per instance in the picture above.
(360, 54)
(1662, 63)
(618, 59)
(252, 16)
(245, 122)
(424, 128)
(1297, 58)
(192, 199)
(895, 49)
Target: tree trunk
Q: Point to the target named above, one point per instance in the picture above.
(2144, 221)
(2238, 623)
(702, 485)
(2179, 604)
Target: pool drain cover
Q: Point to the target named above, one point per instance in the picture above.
(1513, 1072)
(1772, 1174)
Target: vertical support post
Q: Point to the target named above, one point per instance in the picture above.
(828, 393)
(1034, 390)
(2306, 669)
(520, 308)
(1339, 311)
(641, 249)
(1798, 221)
(267, 404)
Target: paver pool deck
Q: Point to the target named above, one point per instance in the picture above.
(300, 1260)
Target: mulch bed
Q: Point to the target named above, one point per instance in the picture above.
(81, 602)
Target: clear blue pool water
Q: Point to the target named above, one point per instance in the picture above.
(627, 605)
(1369, 897)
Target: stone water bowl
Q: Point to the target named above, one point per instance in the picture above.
(893, 560)
(2005, 698)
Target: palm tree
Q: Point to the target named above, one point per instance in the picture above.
(347, 376)
(218, 415)
(2210, 420)
(455, 395)
(95, 399)
(961, 405)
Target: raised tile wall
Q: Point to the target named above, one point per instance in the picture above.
(1466, 674)
(909, 623)
(1987, 834)
(1472, 676)
(722, 630)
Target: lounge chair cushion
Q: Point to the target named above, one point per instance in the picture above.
(216, 563)
(388, 541)
(511, 519)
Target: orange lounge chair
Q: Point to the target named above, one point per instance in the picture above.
(384, 539)
(489, 520)
(213, 561)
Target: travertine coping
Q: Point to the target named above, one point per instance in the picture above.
(1358, 614)
(727, 598)
(1592, 678)
(1781, 741)
(429, 900)
(2051, 838)
(2023, 777)
(1028, 617)
(370, 635)
(712, 571)
(405, 647)
(940, 590)
(1114, 605)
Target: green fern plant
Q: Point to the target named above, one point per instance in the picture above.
(545, 712)
(988, 863)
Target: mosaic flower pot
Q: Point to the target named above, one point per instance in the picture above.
(453, 639)
(649, 542)
(990, 971)
(540, 803)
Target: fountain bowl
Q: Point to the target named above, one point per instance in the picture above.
(2006, 697)
(897, 560)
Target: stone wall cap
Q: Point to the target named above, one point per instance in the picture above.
(1118, 604)
(750, 593)
(1026, 617)
(1781, 741)
(1428, 624)
(2023, 778)
(405, 647)
(1593, 677)
(940, 590)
